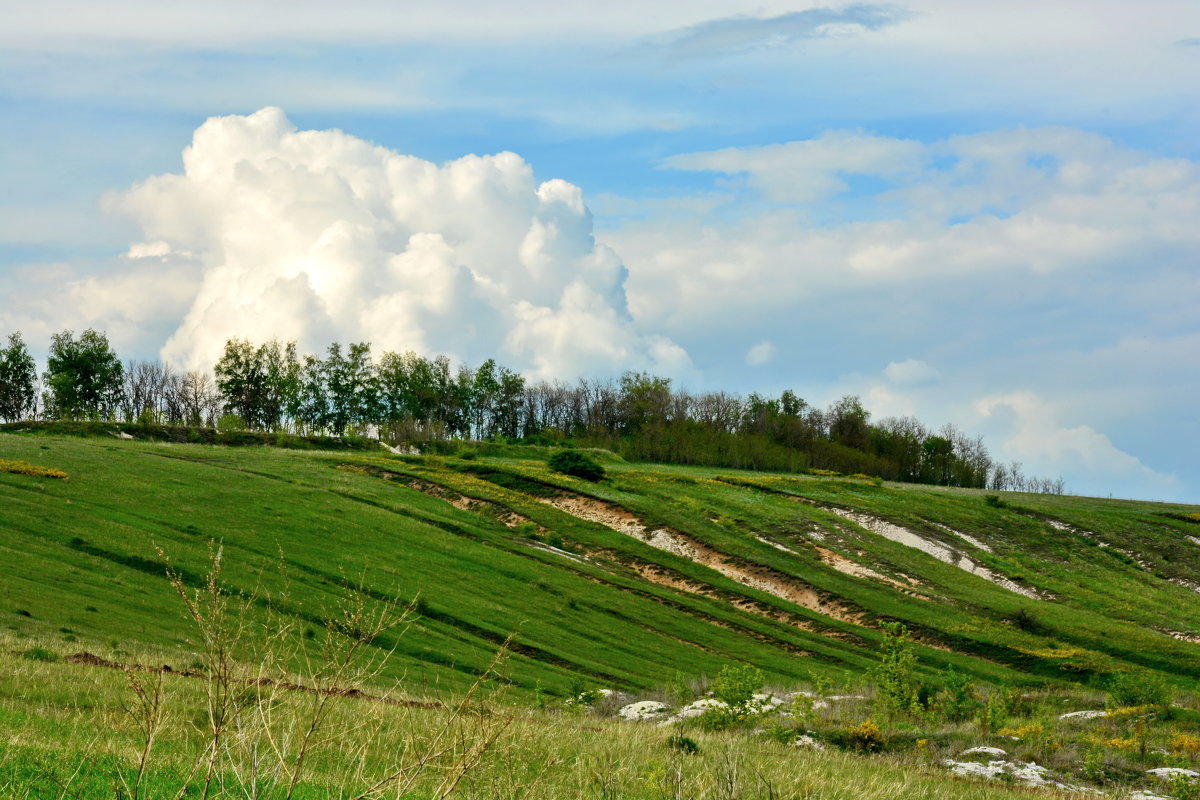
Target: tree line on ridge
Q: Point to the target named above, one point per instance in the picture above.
(405, 397)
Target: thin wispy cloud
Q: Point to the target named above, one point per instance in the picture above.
(741, 33)
(922, 202)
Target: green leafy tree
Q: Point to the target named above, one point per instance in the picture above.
(353, 388)
(278, 373)
(895, 674)
(848, 423)
(310, 408)
(83, 375)
(260, 384)
(506, 414)
(485, 391)
(239, 380)
(18, 380)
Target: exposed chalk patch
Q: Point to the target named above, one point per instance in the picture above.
(622, 521)
(941, 552)
(549, 548)
(1083, 715)
(971, 540)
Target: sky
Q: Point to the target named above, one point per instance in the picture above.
(980, 213)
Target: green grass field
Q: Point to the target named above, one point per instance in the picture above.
(654, 575)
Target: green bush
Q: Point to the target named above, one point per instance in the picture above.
(955, 700)
(735, 688)
(40, 654)
(683, 744)
(572, 462)
(894, 675)
(1127, 689)
(995, 712)
(865, 737)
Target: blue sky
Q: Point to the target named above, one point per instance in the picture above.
(978, 213)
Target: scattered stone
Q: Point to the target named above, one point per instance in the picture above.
(817, 702)
(698, 707)
(761, 704)
(1083, 715)
(1171, 773)
(986, 751)
(1030, 773)
(807, 742)
(644, 710)
(767, 702)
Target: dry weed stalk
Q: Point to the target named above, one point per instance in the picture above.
(465, 750)
(344, 665)
(262, 726)
(147, 712)
(208, 607)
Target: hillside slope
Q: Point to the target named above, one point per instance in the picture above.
(655, 572)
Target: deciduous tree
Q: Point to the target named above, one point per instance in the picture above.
(18, 380)
(83, 376)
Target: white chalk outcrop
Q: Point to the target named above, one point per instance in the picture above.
(643, 711)
(942, 552)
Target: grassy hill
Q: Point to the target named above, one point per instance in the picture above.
(783, 572)
(656, 574)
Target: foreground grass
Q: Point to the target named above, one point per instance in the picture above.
(85, 562)
(72, 730)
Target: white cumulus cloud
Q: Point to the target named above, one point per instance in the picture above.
(1037, 437)
(911, 371)
(1029, 202)
(760, 353)
(319, 236)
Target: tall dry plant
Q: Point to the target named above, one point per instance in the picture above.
(208, 606)
(470, 729)
(350, 655)
(262, 726)
(146, 710)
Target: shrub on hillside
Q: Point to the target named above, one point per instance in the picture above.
(895, 673)
(735, 689)
(1126, 689)
(865, 737)
(572, 462)
(736, 686)
(25, 468)
(683, 744)
(955, 700)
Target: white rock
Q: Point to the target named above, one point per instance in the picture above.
(1028, 773)
(808, 742)
(1170, 773)
(987, 751)
(766, 702)
(1139, 795)
(1083, 715)
(644, 710)
(698, 707)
